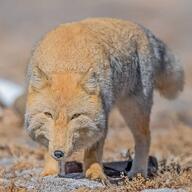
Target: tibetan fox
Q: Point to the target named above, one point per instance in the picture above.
(78, 71)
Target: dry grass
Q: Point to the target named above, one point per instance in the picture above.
(172, 146)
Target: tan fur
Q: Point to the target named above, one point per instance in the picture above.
(50, 167)
(77, 72)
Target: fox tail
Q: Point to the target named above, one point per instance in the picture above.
(169, 74)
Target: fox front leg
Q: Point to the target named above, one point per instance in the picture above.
(93, 168)
(51, 166)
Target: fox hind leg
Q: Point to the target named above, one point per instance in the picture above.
(137, 117)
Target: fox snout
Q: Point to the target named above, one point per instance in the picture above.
(57, 142)
(58, 153)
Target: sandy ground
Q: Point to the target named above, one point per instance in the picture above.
(22, 23)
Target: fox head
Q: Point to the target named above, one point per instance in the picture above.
(64, 111)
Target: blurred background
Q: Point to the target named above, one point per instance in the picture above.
(23, 23)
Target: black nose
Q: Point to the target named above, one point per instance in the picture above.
(58, 154)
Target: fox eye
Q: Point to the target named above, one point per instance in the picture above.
(48, 114)
(75, 115)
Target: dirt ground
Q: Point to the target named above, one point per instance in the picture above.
(22, 23)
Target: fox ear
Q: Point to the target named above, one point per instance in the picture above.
(89, 82)
(38, 79)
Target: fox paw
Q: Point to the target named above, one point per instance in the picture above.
(95, 172)
(49, 172)
(134, 173)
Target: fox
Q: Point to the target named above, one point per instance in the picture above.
(78, 72)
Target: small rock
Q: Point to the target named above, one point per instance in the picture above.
(124, 153)
(6, 161)
(56, 184)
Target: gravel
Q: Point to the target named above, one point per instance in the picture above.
(30, 180)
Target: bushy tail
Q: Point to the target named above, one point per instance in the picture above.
(169, 74)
